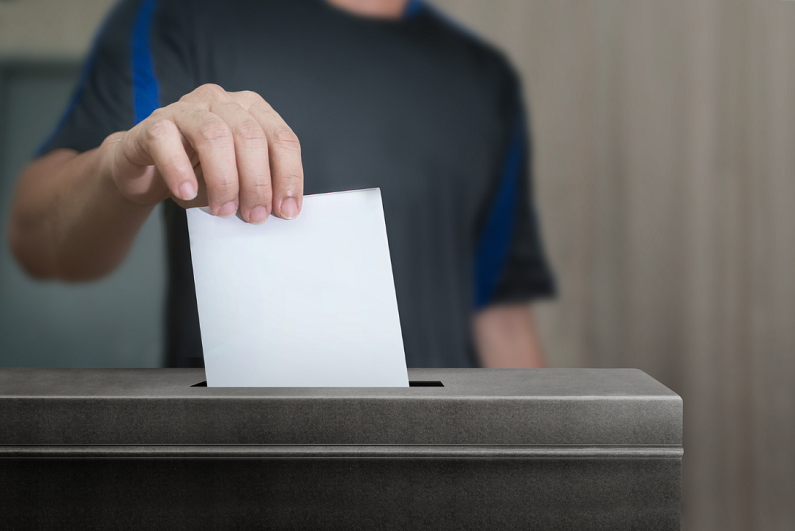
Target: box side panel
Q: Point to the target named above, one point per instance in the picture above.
(342, 493)
(234, 420)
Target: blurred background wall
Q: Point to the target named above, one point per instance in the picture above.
(665, 142)
(665, 174)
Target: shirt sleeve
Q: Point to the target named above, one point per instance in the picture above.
(510, 264)
(137, 49)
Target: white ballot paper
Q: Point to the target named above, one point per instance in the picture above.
(308, 302)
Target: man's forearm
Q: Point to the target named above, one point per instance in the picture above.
(69, 221)
(506, 337)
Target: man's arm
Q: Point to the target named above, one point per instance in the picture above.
(69, 221)
(75, 216)
(506, 337)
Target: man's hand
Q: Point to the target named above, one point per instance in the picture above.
(225, 150)
(75, 215)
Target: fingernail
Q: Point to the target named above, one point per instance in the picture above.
(289, 208)
(227, 210)
(187, 191)
(258, 215)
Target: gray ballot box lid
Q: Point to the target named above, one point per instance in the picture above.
(587, 407)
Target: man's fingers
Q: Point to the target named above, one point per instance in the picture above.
(284, 152)
(250, 159)
(201, 196)
(251, 153)
(160, 143)
(203, 97)
(287, 172)
(214, 142)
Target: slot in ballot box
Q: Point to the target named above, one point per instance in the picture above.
(553, 449)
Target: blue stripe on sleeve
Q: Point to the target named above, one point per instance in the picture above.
(494, 247)
(85, 73)
(145, 88)
(413, 7)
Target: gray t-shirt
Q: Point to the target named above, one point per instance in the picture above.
(417, 107)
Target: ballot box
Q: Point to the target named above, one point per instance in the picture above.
(554, 449)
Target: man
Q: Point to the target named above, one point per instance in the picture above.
(179, 104)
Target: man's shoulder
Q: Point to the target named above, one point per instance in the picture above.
(469, 42)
